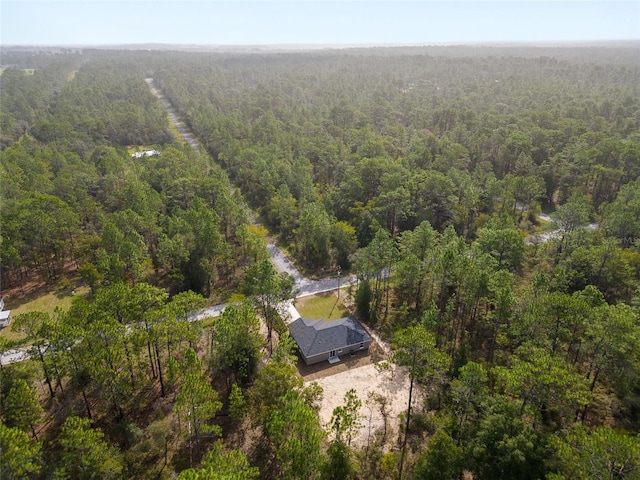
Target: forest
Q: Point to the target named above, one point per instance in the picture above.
(486, 199)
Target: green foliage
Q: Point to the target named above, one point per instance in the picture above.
(26, 92)
(20, 456)
(575, 213)
(339, 464)
(222, 464)
(237, 403)
(56, 224)
(344, 243)
(88, 103)
(612, 339)
(505, 245)
(285, 350)
(273, 382)
(237, 342)
(186, 303)
(417, 257)
(436, 177)
(600, 453)
(443, 459)
(294, 431)
(21, 407)
(545, 380)
(208, 251)
(37, 326)
(415, 348)
(282, 212)
(269, 290)
(469, 391)
(197, 402)
(375, 263)
(86, 453)
(506, 447)
(389, 465)
(312, 395)
(150, 455)
(345, 420)
(363, 300)
(621, 217)
(313, 236)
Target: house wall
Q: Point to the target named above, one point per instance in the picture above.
(323, 357)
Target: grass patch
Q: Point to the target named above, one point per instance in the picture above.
(326, 306)
(46, 302)
(8, 334)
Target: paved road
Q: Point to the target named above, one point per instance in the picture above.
(14, 356)
(305, 286)
(557, 233)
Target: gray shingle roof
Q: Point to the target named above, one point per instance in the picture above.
(318, 336)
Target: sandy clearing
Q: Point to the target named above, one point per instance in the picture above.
(393, 383)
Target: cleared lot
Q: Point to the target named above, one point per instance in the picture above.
(392, 384)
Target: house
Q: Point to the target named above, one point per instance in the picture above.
(146, 153)
(320, 340)
(5, 315)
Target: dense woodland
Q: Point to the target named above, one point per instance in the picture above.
(420, 170)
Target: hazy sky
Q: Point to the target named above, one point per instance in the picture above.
(213, 22)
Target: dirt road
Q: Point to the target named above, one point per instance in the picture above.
(186, 134)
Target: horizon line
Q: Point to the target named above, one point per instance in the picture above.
(330, 45)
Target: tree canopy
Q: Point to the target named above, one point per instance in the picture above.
(483, 199)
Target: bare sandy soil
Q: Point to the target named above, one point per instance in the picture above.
(393, 384)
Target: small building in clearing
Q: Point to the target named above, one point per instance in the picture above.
(320, 340)
(5, 315)
(146, 153)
